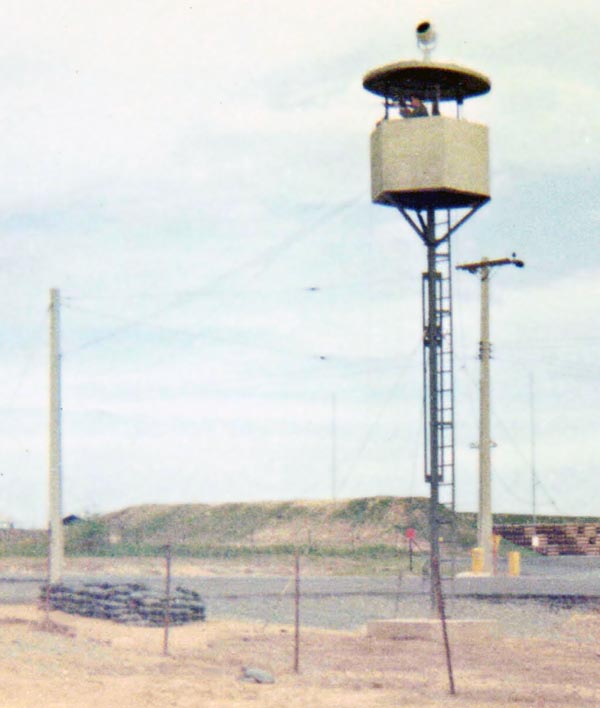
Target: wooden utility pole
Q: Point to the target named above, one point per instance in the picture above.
(56, 544)
(484, 517)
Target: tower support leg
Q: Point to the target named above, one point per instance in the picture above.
(432, 335)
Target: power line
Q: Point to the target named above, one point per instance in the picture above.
(259, 262)
(375, 423)
(27, 359)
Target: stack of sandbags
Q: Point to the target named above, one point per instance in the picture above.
(130, 603)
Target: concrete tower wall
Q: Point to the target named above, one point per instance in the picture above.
(425, 158)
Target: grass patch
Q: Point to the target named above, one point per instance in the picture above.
(368, 529)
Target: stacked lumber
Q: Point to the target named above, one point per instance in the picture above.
(571, 539)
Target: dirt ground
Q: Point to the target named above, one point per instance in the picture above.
(77, 662)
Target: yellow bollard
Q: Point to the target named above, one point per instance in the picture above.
(514, 563)
(477, 560)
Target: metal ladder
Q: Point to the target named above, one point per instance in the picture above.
(445, 400)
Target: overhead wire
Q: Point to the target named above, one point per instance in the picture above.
(354, 367)
(366, 440)
(27, 360)
(259, 262)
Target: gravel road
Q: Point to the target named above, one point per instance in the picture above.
(535, 603)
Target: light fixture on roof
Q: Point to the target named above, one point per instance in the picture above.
(426, 39)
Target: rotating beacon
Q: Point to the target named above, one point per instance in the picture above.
(431, 164)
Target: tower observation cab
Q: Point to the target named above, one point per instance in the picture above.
(420, 157)
(432, 166)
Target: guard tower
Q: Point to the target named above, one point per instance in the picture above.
(431, 164)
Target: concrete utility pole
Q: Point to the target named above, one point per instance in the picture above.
(56, 550)
(484, 517)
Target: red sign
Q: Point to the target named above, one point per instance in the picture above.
(410, 534)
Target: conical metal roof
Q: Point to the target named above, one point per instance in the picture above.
(425, 80)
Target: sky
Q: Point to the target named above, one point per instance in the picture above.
(238, 321)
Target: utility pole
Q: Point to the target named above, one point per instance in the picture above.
(484, 517)
(56, 549)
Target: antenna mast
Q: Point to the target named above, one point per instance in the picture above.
(56, 546)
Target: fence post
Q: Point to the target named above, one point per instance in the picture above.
(48, 581)
(297, 611)
(167, 599)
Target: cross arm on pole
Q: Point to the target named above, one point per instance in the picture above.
(480, 265)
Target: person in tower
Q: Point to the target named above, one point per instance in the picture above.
(413, 108)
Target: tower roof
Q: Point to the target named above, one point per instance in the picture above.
(422, 79)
